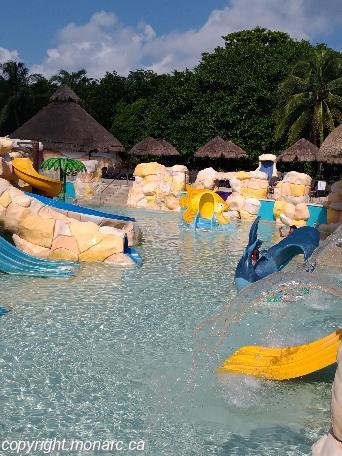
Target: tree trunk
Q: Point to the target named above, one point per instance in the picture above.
(62, 178)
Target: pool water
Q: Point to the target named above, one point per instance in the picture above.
(130, 353)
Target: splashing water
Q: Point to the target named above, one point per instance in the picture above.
(111, 352)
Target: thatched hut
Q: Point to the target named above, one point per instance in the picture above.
(219, 148)
(301, 151)
(65, 128)
(330, 151)
(151, 147)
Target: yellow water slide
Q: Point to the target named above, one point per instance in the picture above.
(286, 362)
(23, 169)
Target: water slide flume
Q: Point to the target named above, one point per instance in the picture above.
(284, 363)
(14, 261)
(203, 208)
(304, 241)
(23, 169)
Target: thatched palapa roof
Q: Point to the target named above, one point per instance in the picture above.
(155, 147)
(219, 148)
(331, 149)
(301, 151)
(64, 126)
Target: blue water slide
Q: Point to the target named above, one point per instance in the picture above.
(303, 240)
(132, 253)
(266, 166)
(8, 248)
(13, 261)
(79, 209)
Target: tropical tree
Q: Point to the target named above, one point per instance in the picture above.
(65, 166)
(77, 81)
(72, 79)
(103, 95)
(128, 123)
(229, 94)
(14, 95)
(311, 97)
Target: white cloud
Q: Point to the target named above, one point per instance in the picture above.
(105, 44)
(6, 55)
(100, 45)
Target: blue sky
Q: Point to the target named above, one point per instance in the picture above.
(102, 35)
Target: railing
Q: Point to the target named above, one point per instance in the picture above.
(110, 183)
(107, 186)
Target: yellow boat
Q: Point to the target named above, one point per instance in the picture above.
(284, 363)
(23, 169)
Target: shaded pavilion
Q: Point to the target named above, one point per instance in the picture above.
(301, 151)
(330, 151)
(217, 152)
(158, 149)
(65, 128)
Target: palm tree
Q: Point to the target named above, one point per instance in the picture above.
(311, 98)
(14, 94)
(65, 166)
(75, 79)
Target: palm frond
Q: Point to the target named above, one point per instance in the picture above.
(298, 127)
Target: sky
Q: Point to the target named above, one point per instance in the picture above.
(162, 35)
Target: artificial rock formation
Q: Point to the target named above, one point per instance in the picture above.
(6, 145)
(334, 209)
(157, 187)
(330, 444)
(247, 189)
(208, 179)
(7, 153)
(252, 184)
(45, 232)
(291, 197)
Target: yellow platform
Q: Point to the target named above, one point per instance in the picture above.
(286, 362)
(23, 169)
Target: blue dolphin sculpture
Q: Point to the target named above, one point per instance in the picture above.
(303, 240)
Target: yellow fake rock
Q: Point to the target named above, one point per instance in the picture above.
(206, 203)
(258, 193)
(284, 363)
(104, 249)
(242, 175)
(24, 170)
(146, 169)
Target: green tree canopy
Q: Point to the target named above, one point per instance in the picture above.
(231, 93)
(15, 94)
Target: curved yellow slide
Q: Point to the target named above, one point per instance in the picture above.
(23, 168)
(286, 362)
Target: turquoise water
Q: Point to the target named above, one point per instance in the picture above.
(129, 353)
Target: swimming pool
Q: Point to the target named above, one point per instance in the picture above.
(114, 352)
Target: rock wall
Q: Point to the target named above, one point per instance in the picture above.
(334, 209)
(252, 184)
(157, 187)
(86, 184)
(291, 197)
(208, 179)
(247, 188)
(7, 153)
(329, 445)
(47, 233)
